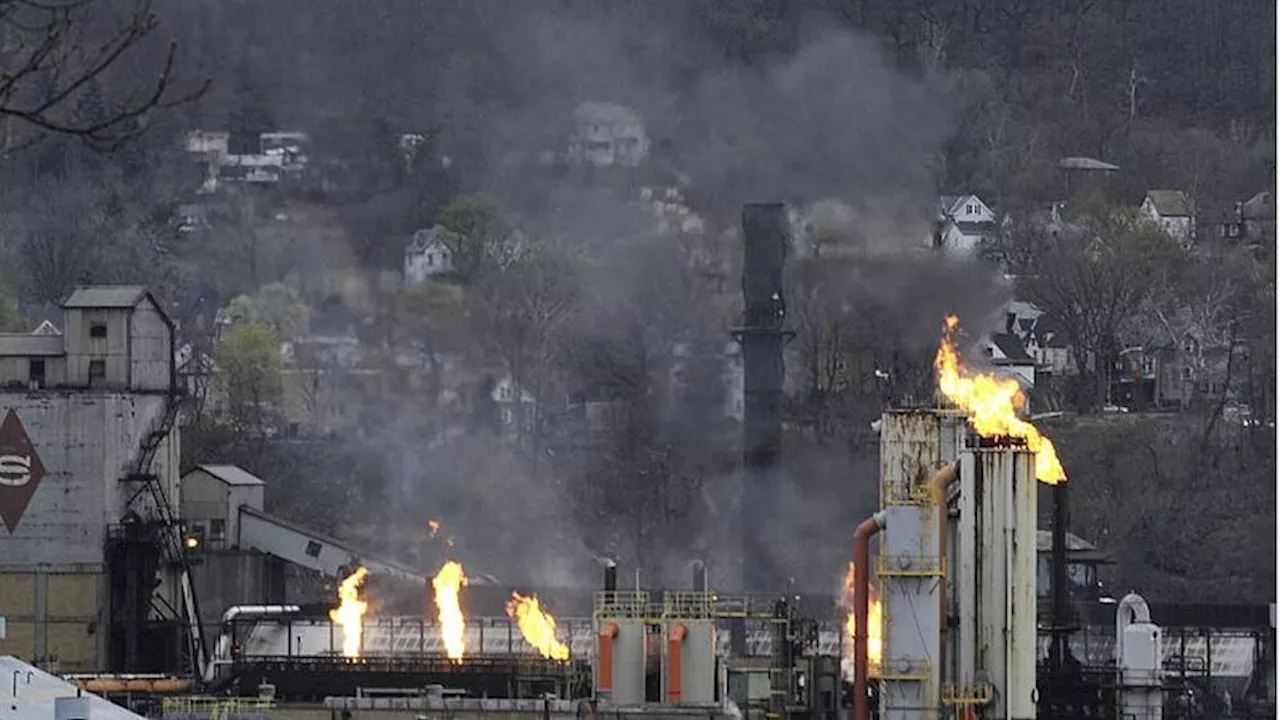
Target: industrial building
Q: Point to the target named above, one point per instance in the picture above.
(89, 554)
(184, 598)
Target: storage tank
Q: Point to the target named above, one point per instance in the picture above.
(995, 581)
(618, 673)
(690, 672)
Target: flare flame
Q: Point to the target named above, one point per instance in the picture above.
(448, 584)
(350, 612)
(537, 626)
(875, 629)
(433, 527)
(992, 404)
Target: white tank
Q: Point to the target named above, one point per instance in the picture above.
(1142, 650)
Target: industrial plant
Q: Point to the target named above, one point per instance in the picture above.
(130, 589)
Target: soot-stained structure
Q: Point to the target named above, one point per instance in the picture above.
(762, 336)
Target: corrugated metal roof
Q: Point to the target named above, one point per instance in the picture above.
(106, 296)
(232, 475)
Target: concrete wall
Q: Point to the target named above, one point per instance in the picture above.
(86, 442)
(54, 618)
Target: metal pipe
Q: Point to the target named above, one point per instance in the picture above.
(1131, 603)
(674, 649)
(237, 610)
(938, 484)
(861, 559)
(607, 634)
(611, 576)
(1061, 608)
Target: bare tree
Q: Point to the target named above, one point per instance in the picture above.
(1091, 275)
(53, 52)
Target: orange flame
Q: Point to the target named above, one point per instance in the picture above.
(537, 626)
(433, 527)
(448, 583)
(350, 612)
(875, 621)
(992, 404)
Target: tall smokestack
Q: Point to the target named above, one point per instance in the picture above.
(610, 576)
(765, 238)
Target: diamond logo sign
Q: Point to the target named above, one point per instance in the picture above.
(20, 470)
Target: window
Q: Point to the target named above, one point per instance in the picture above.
(313, 548)
(431, 259)
(217, 529)
(37, 374)
(97, 330)
(97, 371)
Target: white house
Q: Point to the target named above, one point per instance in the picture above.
(1009, 356)
(606, 134)
(1173, 212)
(429, 254)
(516, 415)
(962, 224)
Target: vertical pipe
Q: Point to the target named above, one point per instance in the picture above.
(699, 576)
(607, 634)
(675, 646)
(861, 560)
(938, 484)
(765, 245)
(1058, 582)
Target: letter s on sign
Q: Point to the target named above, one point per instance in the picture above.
(15, 470)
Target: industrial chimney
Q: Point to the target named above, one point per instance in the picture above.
(765, 238)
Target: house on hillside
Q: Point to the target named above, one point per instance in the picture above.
(516, 415)
(964, 223)
(1253, 222)
(430, 253)
(1007, 353)
(607, 134)
(1173, 212)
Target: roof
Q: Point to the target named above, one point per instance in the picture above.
(605, 113)
(1260, 207)
(1170, 203)
(1085, 163)
(40, 692)
(424, 239)
(106, 296)
(1012, 347)
(231, 475)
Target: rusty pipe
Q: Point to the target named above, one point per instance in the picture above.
(674, 649)
(861, 560)
(938, 483)
(607, 634)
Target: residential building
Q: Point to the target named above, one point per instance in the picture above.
(607, 134)
(327, 385)
(1253, 222)
(1007, 354)
(517, 416)
(430, 253)
(1173, 212)
(964, 223)
(208, 142)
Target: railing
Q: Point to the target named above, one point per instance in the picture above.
(689, 605)
(909, 566)
(966, 694)
(624, 604)
(211, 708)
(903, 669)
